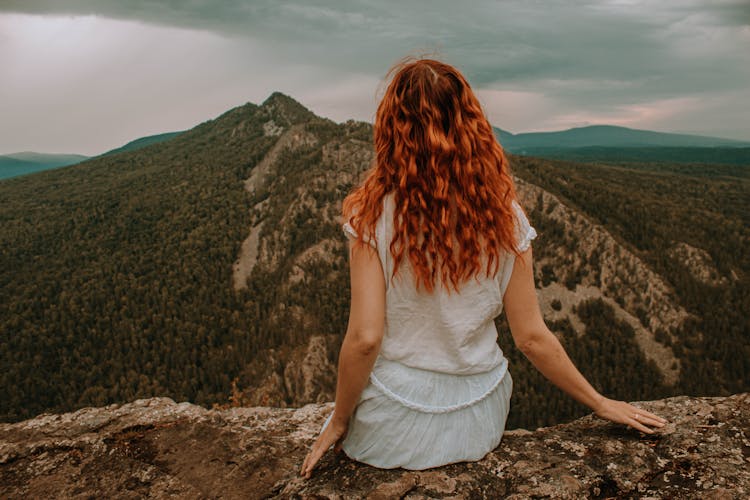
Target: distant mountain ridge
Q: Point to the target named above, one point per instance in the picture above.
(594, 142)
(26, 162)
(613, 143)
(142, 142)
(608, 136)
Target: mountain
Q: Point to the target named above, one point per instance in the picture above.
(143, 142)
(608, 136)
(212, 266)
(157, 448)
(26, 162)
(612, 143)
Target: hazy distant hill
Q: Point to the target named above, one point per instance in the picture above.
(213, 264)
(612, 143)
(609, 136)
(143, 142)
(15, 164)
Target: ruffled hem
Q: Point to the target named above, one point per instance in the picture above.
(429, 391)
(464, 419)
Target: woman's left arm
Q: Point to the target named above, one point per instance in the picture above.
(359, 349)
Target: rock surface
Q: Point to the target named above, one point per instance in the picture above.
(158, 448)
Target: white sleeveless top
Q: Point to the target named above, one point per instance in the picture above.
(451, 333)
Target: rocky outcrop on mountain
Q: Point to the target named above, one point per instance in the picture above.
(293, 136)
(157, 448)
(699, 262)
(300, 180)
(291, 377)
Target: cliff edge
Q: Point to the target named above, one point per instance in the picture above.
(158, 448)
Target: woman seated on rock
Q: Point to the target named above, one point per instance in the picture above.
(439, 247)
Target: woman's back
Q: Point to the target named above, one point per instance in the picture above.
(439, 368)
(440, 330)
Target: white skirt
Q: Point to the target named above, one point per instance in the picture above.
(417, 419)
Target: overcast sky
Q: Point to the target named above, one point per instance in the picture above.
(85, 76)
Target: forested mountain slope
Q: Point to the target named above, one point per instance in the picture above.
(211, 267)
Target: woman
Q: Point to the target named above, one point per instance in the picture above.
(438, 248)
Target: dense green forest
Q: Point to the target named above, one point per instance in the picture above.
(116, 276)
(116, 273)
(649, 207)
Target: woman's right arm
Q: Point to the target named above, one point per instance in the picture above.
(543, 349)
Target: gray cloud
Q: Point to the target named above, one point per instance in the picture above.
(687, 61)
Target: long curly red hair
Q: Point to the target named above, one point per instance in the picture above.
(436, 151)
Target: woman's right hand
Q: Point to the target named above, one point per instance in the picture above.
(625, 413)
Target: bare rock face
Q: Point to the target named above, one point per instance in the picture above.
(158, 448)
(699, 262)
(292, 376)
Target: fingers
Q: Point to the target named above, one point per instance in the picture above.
(310, 461)
(314, 457)
(303, 469)
(637, 425)
(652, 416)
(327, 438)
(321, 446)
(646, 416)
(633, 416)
(640, 418)
(648, 420)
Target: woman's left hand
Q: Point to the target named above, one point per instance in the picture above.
(333, 434)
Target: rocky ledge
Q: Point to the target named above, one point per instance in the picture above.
(158, 448)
